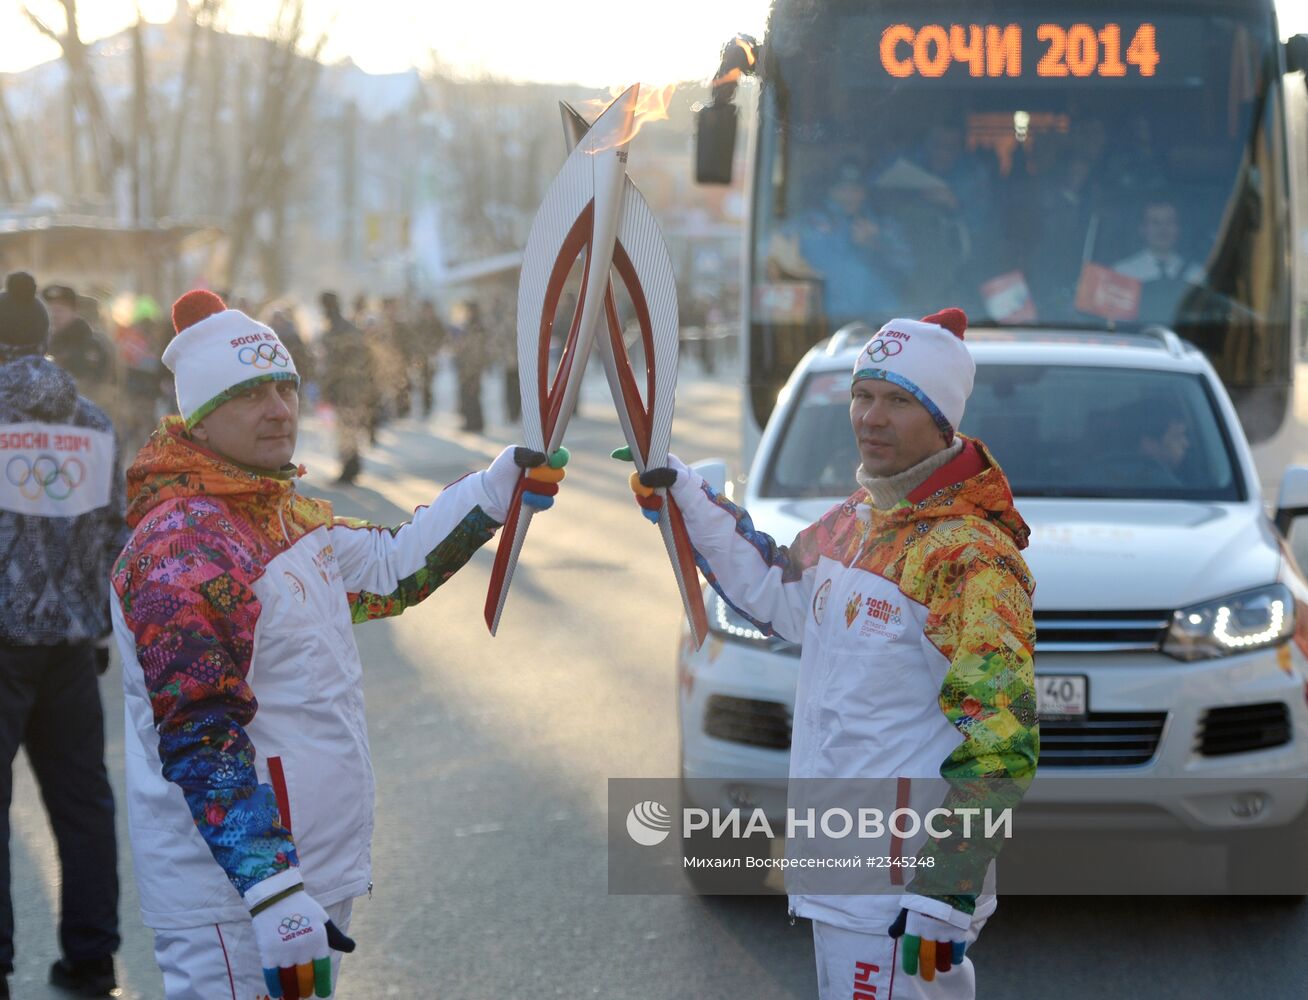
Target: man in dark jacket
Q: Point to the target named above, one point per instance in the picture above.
(75, 347)
(61, 527)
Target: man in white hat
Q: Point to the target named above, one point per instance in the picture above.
(249, 784)
(913, 607)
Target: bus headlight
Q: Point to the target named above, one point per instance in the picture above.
(1242, 622)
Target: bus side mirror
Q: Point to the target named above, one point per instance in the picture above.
(715, 143)
(1296, 55)
(715, 122)
(1292, 501)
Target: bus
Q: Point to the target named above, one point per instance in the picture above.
(1081, 167)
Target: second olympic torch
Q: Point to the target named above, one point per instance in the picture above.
(593, 209)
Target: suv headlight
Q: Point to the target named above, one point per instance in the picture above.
(1250, 620)
(729, 624)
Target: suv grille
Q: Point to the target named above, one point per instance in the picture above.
(743, 720)
(1101, 631)
(1102, 739)
(1241, 728)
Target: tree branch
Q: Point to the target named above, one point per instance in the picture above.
(42, 27)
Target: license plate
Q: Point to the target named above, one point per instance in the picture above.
(1061, 696)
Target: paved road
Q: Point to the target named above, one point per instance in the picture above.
(492, 759)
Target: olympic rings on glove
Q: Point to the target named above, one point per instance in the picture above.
(45, 474)
(263, 357)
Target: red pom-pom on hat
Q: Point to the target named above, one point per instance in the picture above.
(953, 320)
(194, 306)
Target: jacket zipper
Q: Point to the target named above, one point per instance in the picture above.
(285, 534)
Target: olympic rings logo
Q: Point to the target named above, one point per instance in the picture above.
(263, 357)
(879, 350)
(45, 474)
(292, 924)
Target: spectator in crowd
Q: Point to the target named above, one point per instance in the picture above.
(345, 364)
(61, 528)
(83, 352)
(360, 312)
(137, 336)
(282, 322)
(396, 336)
(430, 338)
(470, 351)
(504, 339)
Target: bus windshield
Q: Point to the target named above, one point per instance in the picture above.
(1095, 165)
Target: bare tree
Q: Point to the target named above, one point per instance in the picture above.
(109, 152)
(17, 152)
(143, 137)
(289, 81)
(200, 16)
(501, 147)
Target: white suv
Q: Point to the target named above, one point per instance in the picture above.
(1171, 620)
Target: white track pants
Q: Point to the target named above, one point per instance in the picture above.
(858, 966)
(221, 961)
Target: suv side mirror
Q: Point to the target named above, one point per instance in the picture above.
(714, 471)
(1292, 501)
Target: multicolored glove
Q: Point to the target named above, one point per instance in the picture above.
(542, 477)
(929, 946)
(644, 484)
(295, 941)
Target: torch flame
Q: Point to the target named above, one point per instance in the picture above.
(651, 106)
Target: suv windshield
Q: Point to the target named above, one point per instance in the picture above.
(1056, 430)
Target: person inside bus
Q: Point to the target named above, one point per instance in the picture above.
(1068, 207)
(1062, 221)
(1165, 273)
(1160, 259)
(858, 256)
(965, 179)
(942, 196)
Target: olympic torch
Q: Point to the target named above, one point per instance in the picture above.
(592, 207)
(580, 214)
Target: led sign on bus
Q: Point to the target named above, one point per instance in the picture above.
(994, 50)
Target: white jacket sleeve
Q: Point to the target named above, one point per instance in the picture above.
(386, 570)
(771, 585)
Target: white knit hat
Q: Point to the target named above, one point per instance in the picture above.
(219, 353)
(928, 358)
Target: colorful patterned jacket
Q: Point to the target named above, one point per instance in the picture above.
(235, 598)
(917, 639)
